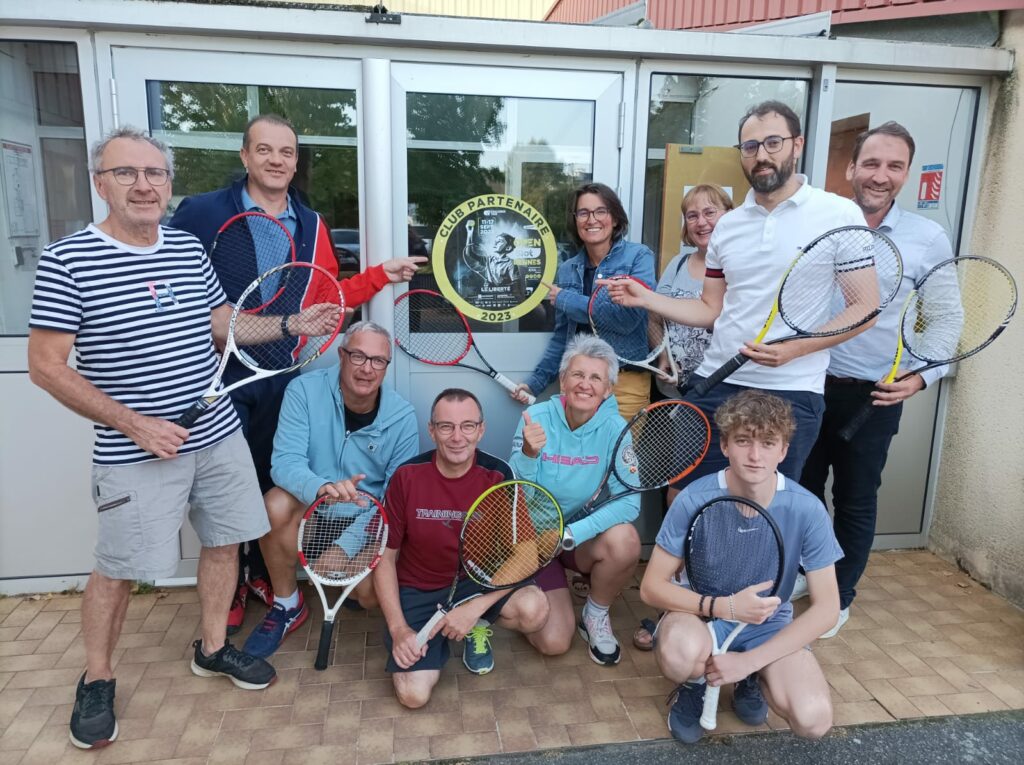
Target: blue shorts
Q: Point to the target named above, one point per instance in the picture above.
(752, 635)
(419, 605)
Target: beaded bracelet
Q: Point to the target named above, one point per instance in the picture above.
(732, 610)
(700, 606)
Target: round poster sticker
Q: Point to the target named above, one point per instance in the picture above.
(490, 256)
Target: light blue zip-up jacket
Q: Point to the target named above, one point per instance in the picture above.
(572, 464)
(624, 258)
(312, 447)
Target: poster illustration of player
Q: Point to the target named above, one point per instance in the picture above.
(490, 256)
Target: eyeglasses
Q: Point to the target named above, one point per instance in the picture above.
(709, 214)
(599, 213)
(772, 144)
(359, 359)
(127, 176)
(468, 428)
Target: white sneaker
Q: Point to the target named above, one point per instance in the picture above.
(799, 588)
(844, 617)
(603, 647)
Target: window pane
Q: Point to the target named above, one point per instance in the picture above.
(461, 146)
(44, 188)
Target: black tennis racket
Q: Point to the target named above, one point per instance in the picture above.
(432, 330)
(510, 532)
(277, 329)
(340, 543)
(660, 445)
(837, 283)
(732, 544)
(954, 311)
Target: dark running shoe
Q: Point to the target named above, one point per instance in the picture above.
(275, 627)
(262, 589)
(747, 701)
(237, 613)
(92, 721)
(684, 715)
(476, 651)
(245, 671)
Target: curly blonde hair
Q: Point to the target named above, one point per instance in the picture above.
(758, 412)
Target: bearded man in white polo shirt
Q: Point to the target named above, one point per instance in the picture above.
(748, 253)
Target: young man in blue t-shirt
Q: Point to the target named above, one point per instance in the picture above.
(756, 428)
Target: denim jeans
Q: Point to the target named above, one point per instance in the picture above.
(856, 474)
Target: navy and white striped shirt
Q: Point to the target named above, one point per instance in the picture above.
(141, 320)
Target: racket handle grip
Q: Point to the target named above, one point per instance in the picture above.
(326, 630)
(856, 422)
(193, 413)
(510, 386)
(720, 374)
(709, 717)
(424, 634)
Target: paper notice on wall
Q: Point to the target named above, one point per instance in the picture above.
(20, 189)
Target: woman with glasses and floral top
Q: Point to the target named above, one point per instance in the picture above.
(597, 224)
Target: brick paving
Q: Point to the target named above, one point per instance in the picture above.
(923, 640)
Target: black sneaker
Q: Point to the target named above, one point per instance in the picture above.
(243, 670)
(92, 721)
(684, 715)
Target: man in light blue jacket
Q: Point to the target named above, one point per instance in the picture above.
(338, 431)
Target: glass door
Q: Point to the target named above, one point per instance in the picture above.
(531, 135)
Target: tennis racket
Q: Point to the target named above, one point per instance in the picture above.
(954, 311)
(732, 544)
(432, 330)
(510, 532)
(248, 245)
(837, 283)
(646, 355)
(340, 543)
(277, 329)
(661, 444)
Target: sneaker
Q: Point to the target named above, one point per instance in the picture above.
(477, 654)
(271, 632)
(245, 671)
(262, 589)
(844, 617)
(799, 588)
(604, 648)
(92, 721)
(747, 701)
(237, 613)
(684, 715)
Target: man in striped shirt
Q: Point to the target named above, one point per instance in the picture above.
(138, 301)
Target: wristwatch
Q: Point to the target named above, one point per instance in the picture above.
(284, 327)
(568, 543)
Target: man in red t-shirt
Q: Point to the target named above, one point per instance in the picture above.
(426, 500)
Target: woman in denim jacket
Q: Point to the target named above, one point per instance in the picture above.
(597, 224)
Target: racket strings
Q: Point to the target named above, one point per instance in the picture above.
(429, 328)
(510, 534)
(958, 308)
(840, 281)
(731, 546)
(665, 442)
(342, 540)
(299, 287)
(252, 245)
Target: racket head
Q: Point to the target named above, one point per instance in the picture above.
(661, 444)
(297, 286)
(958, 308)
(430, 329)
(249, 244)
(732, 543)
(340, 541)
(597, 308)
(841, 280)
(511, 531)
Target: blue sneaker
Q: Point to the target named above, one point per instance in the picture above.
(747, 701)
(476, 654)
(684, 716)
(271, 632)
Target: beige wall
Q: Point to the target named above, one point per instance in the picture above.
(979, 505)
(482, 9)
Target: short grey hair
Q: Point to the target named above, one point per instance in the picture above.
(134, 134)
(592, 347)
(364, 326)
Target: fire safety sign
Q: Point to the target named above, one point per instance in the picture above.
(929, 189)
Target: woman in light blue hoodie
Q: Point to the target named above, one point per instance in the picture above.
(565, 444)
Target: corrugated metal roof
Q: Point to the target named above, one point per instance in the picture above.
(722, 15)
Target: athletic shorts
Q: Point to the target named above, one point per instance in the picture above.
(141, 508)
(752, 635)
(419, 605)
(552, 576)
